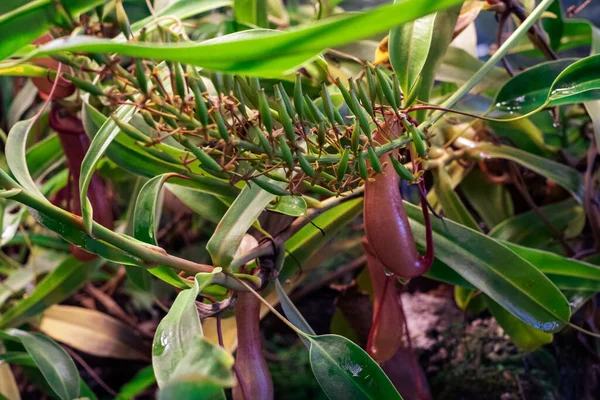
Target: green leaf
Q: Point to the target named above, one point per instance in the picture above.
(524, 336)
(567, 177)
(15, 151)
(53, 361)
(266, 53)
(177, 328)
(408, 49)
(22, 22)
(208, 206)
(294, 206)
(443, 28)
(140, 382)
(292, 313)
(528, 229)
(491, 201)
(54, 288)
(549, 84)
(228, 235)
(192, 388)
(451, 204)
(205, 360)
(345, 371)
(98, 146)
(495, 270)
(145, 224)
(566, 273)
(43, 154)
(251, 12)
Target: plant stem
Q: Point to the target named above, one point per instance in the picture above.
(491, 63)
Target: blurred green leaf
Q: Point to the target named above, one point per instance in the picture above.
(180, 326)
(567, 177)
(54, 288)
(181, 9)
(201, 388)
(495, 270)
(22, 22)
(39, 263)
(491, 201)
(53, 361)
(140, 382)
(251, 12)
(528, 229)
(345, 371)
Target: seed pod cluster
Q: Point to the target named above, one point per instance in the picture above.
(235, 126)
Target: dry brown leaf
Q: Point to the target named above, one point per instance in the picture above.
(93, 332)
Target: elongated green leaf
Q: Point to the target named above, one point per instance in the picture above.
(140, 382)
(251, 12)
(53, 361)
(292, 313)
(228, 235)
(16, 159)
(30, 70)
(524, 336)
(53, 289)
(176, 330)
(443, 28)
(528, 229)
(98, 146)
(565, 176)
(409, 47)
(497, 271)
(266, 53)
(22, 22)
(145, 225)
(566, 273)
(452, 204)
(345, 371)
